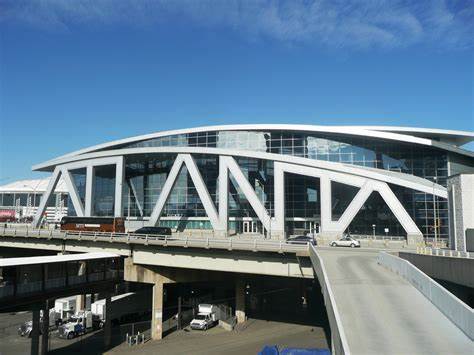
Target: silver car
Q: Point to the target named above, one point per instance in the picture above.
(345, 241)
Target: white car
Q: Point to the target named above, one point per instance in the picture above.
(345, 241)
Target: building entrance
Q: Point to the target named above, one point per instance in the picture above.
(250, 227)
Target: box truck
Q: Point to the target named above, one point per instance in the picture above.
(208, 315)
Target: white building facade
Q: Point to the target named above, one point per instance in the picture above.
(272, 180)
(24, 196)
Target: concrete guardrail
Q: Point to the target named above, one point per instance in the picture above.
(339, 343)
(457, 311)
(230, 243)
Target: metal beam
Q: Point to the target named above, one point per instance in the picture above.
(53, 181)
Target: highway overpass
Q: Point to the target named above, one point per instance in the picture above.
(371, 309)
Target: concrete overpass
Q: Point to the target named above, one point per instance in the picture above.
(373, 310)
(34, 282)
(264, 257)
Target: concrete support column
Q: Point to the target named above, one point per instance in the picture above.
(119, 177)
(35, 332)
(326, 204)
(157, 311)
(240, 300)
(108, 322)
(80, 302)
(224, 196)
(89, 190)
(278, 224)
(45, 335)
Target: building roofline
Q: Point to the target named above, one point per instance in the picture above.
(380, 132)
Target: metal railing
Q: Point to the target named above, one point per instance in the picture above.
(230, 243)
(444, 252)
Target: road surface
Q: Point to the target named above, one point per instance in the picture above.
(383, 313)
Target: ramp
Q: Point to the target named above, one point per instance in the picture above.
(381, 313)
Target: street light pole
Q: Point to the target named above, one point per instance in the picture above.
(373, 230)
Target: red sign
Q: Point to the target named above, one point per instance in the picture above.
(7, 215)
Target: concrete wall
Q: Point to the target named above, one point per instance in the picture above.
(461, 209)
(452, 269)
(339, 343)
(274, 264)
(457, 311)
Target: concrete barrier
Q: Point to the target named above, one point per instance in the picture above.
(452, 307)
(339, 343)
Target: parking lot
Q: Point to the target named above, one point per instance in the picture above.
(250, 340)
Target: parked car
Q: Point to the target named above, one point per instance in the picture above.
(162, 231)
(346, 241)
(301, 239)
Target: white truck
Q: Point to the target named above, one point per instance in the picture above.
(76, 325)
(124, 308)
(208, 315)
(65, 307)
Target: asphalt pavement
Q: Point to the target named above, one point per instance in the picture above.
(382, 313)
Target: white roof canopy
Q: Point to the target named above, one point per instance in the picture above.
(31, 186)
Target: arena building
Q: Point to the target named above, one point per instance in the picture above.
(22, 198)
(271, 179)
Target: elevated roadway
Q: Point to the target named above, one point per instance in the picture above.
(253, 256)
(381, 313)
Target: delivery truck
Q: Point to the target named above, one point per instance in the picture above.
(208, 316)
(128, 307)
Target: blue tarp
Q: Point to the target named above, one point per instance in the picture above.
(269, 350)
(273, 350)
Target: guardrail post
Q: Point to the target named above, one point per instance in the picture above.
(166, 240)
(230, 243)
(186, 242)
(255, 245)
(128, 238)
(80, 235)
(146, 239)
(281, 248)
(207, 243)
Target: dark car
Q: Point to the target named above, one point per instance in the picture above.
(154, 231)
(301, 239)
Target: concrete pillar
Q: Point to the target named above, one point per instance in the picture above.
(45, 327)
(80, 302)
(223, 197)
(35, 332)
(108, 322)
(240, 300)
(157, 311)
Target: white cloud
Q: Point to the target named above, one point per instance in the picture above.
(332, 23)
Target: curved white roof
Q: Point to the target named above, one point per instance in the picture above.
(31, 186)
(442, 139)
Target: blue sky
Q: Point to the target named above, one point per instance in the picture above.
(78, 73)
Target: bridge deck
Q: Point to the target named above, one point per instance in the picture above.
(382, 313)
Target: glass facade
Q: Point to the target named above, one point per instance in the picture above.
(104, 190)
(341, 197)
(375, 214)
(79, 180)
(418, 160)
